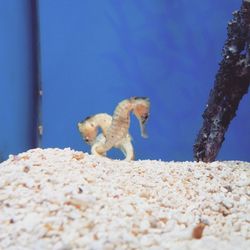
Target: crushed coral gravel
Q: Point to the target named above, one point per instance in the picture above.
(63, 199)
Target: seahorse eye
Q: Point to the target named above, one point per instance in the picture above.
(144, 118)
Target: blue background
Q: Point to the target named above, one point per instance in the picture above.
(97, 53)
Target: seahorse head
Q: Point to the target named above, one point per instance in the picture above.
(141, 108)
(88, 130)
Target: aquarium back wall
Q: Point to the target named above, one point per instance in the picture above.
(97, 53)
(16, 77)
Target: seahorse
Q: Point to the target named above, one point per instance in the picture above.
(121, 122)
(89, 130)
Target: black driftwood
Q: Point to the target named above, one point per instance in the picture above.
(231, 83)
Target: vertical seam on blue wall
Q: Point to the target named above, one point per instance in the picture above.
(37, 84)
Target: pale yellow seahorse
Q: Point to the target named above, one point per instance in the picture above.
(89, 130)
(119, 127)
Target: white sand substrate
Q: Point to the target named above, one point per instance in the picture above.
(64, 199)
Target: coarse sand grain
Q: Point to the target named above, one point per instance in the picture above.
(63, 199)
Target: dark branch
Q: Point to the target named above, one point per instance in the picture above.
(231, 83)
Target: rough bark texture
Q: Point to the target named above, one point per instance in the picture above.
(231, 83)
